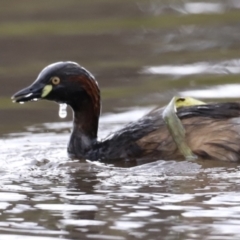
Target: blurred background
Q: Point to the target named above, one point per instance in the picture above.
(141, 52)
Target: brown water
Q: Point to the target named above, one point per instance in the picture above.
(142, 53)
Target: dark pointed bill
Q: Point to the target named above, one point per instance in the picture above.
(31, 93)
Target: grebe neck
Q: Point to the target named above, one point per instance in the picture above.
(85, 127)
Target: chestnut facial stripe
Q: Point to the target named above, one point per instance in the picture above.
(90, 86)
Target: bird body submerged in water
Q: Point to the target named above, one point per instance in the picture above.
(212, 130)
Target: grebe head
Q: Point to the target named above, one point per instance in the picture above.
(63, 82)
(70, 83)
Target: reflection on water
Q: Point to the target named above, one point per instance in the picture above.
(203, 7)
(136, 49)
(47, 195)
(225, 67)
(221, 91)
(189, 7)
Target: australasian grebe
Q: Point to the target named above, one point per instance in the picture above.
(212, 130)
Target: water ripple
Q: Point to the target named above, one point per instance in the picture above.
(223, 67)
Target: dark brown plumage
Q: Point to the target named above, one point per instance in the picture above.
(212, 130)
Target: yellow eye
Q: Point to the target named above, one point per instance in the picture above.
(55, 80)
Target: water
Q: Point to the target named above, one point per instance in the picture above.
(62, 110)
(142, 53)
(44, 195)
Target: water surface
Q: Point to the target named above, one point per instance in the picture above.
(142, 53)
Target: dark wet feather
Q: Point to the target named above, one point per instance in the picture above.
(212, 132)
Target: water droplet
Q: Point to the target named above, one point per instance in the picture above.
(21, 102)
(62, 110)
